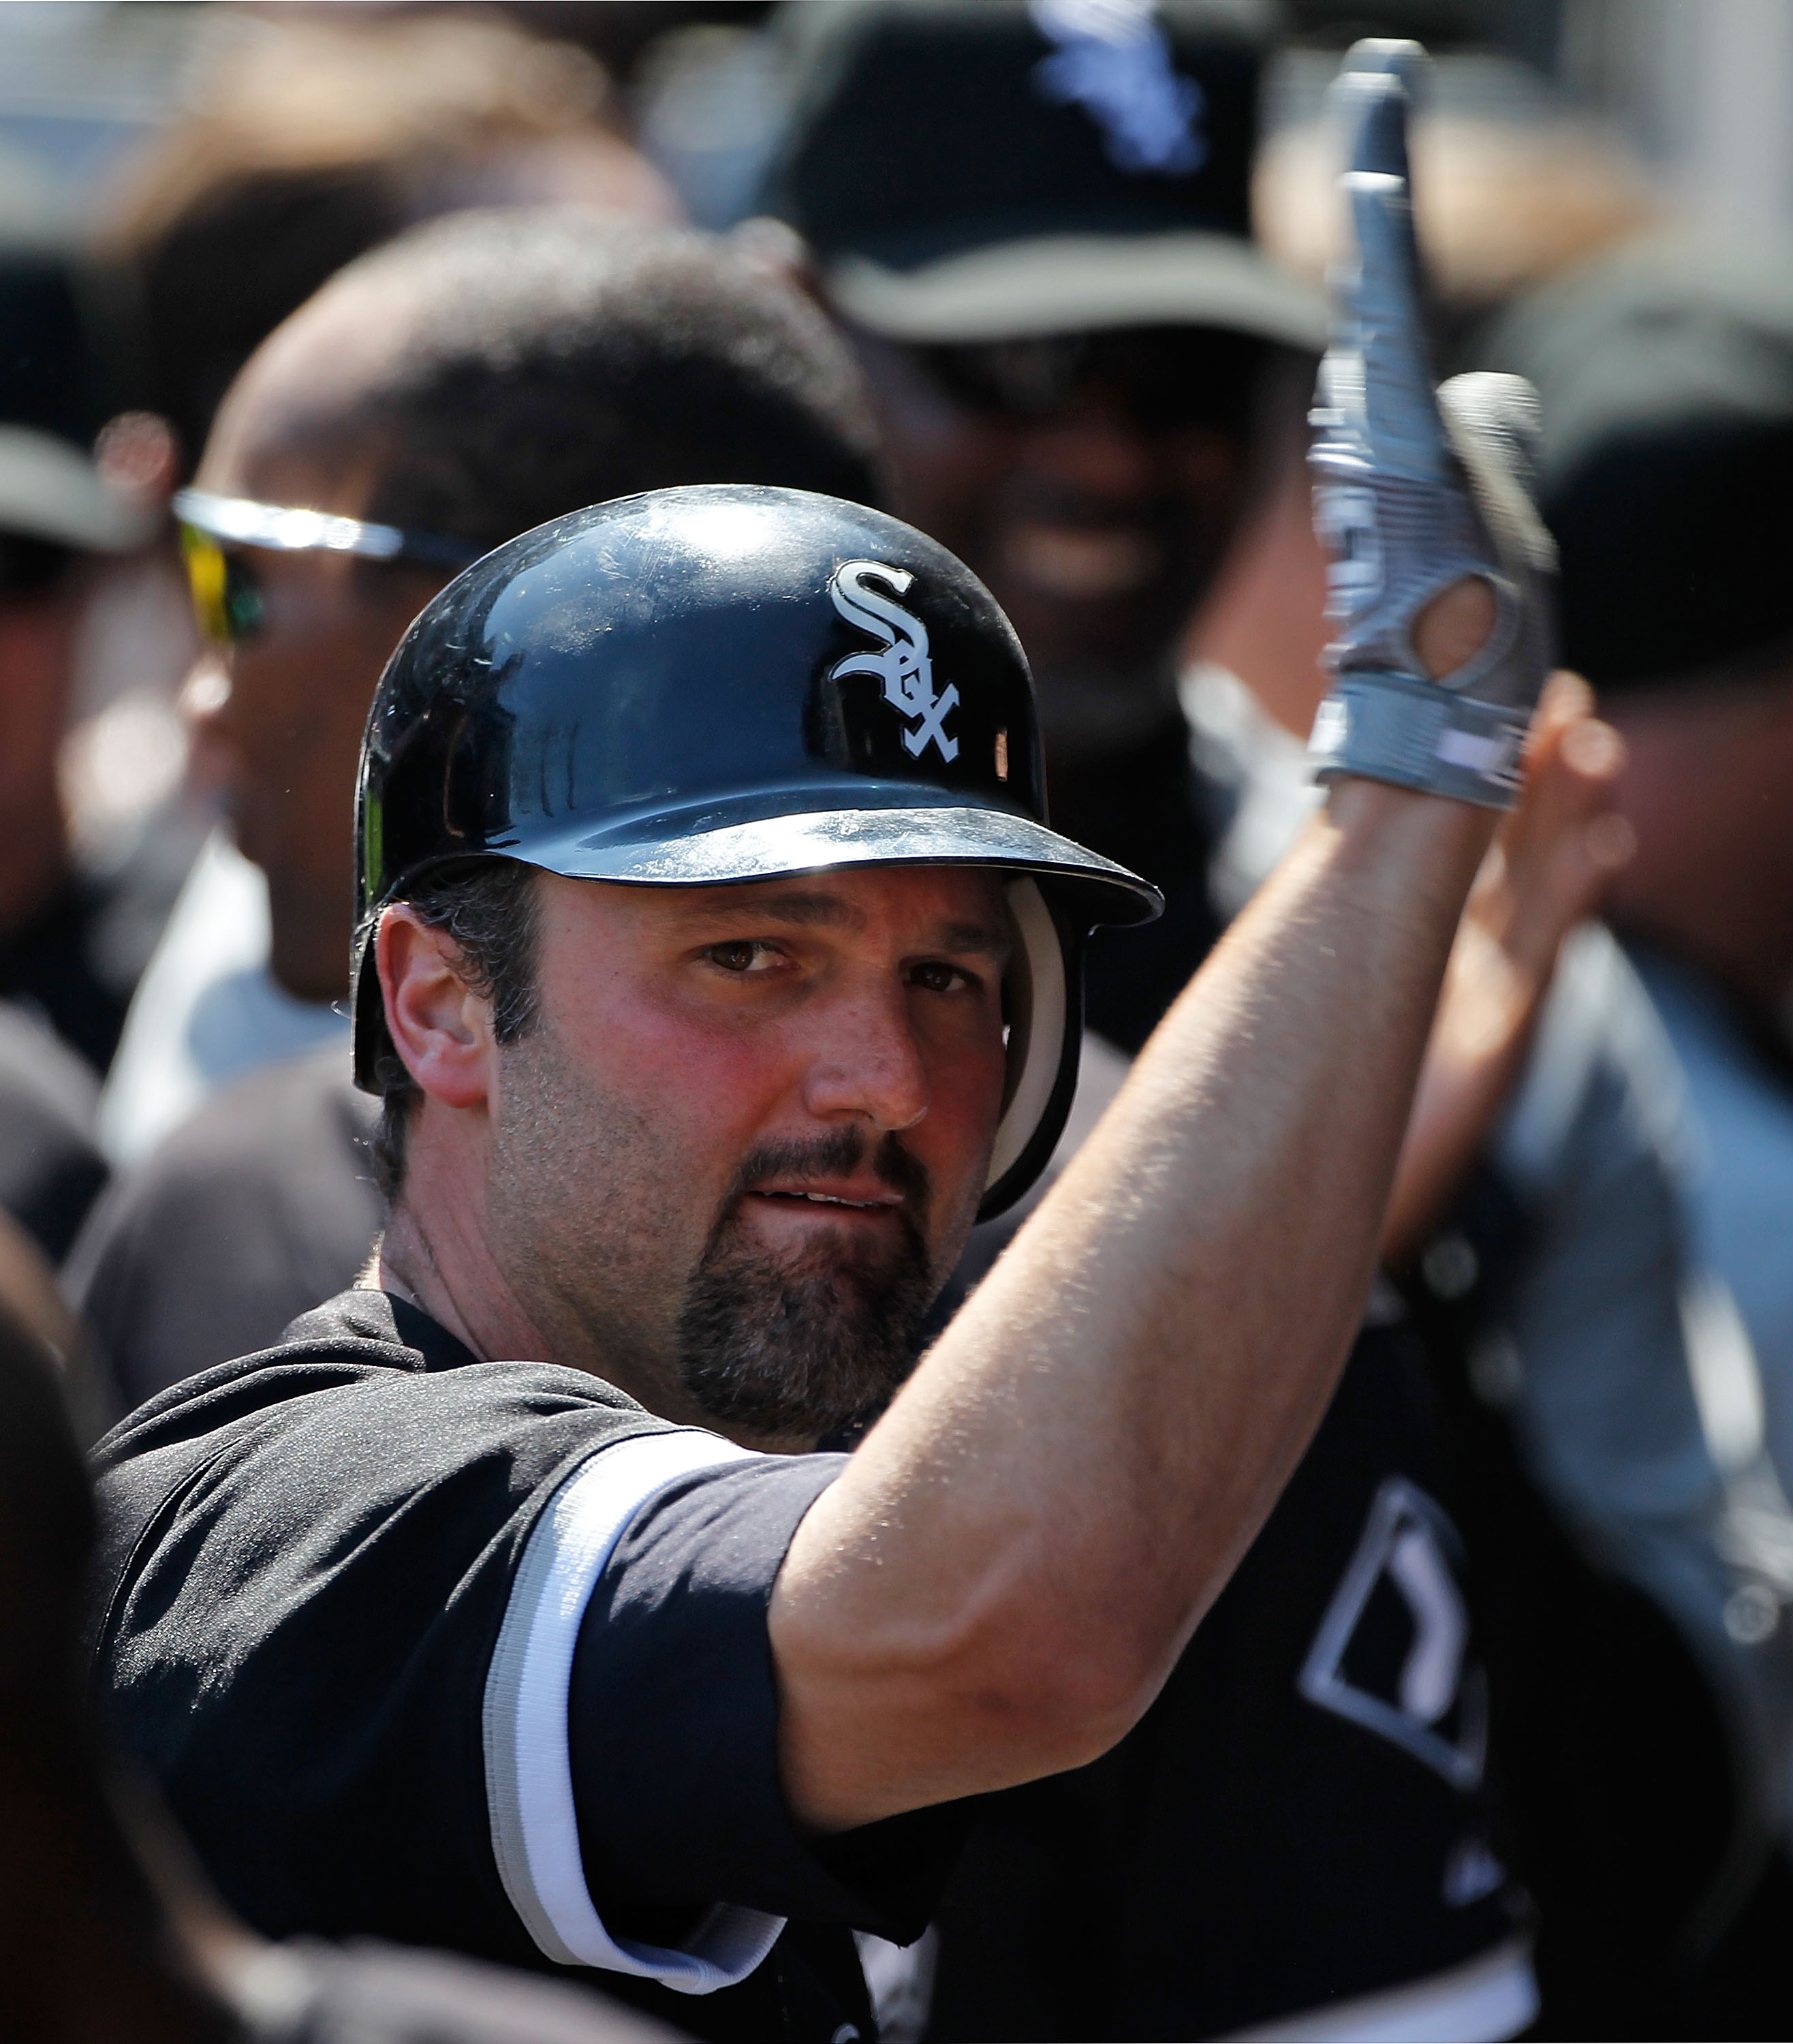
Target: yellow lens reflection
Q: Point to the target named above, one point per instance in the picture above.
(205, 578)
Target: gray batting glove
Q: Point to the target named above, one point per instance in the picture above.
(1414, 491)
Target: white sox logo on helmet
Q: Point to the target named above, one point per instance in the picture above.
(904, 663)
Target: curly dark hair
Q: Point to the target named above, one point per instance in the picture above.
(487, 909)
(551, 360)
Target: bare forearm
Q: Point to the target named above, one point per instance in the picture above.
(1037, 1523)
(1556, 856)
(1477, 1048)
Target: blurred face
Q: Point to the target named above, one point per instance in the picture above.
(1704, 788)
(1094, 482)
(278, 715)
(743, 1147)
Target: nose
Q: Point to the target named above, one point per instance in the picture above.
(866, 1063)
(1092, 448)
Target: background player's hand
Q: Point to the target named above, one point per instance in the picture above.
(1546, 872)
(1440, 566)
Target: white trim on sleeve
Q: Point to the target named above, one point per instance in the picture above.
(528, 1768)
(1491, 1997)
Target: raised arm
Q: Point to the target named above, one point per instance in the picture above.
(1001, 1579)
(1557, 855)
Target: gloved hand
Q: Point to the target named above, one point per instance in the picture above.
(1414, 492)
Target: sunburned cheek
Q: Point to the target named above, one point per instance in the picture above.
(709, 1086)
(961, 1125)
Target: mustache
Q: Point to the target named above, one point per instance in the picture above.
(838, 1154)
(1047, 501)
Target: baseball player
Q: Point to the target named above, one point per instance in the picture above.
(717, 967)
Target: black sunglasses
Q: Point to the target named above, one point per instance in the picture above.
(1167, 376)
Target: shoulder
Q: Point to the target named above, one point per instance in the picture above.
(50, 1165)
(344, 1371)
(343, 1425)
(263, 1201)
(267, 1133)
(308, 1556)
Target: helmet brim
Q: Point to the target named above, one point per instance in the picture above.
(778, 847)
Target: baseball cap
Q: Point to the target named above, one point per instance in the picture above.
(51, 404)
(1666, 379)
(995, 170)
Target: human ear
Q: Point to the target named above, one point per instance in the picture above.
(439, 1025)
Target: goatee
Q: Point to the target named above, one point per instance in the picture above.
(814, 1345)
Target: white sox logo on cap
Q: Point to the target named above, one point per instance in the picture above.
(904, 665)
(1111, 58)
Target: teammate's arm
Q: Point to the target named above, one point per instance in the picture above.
(1555, 856)
(1002, 1577)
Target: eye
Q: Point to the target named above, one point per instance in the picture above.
(935, 978)
(744, 956)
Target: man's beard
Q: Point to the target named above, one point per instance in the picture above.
(812, 1345)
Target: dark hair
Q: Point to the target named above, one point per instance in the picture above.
(555, 360)
(487, 910)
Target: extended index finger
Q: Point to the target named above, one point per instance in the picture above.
(1384, 289)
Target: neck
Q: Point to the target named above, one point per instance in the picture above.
(429, 1257)
(435, 1259)
(1091, 715)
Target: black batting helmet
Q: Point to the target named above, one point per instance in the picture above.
(727, 683)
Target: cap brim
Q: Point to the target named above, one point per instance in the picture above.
(775, 847)
(1075, 282)
(50, 490)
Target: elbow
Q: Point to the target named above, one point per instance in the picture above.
(1053, 1697)
(929, 1714)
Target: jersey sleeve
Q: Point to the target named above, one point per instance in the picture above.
(632, 1729)
(478, 1659)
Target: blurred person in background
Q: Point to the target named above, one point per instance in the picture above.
(1617, 1282)
(1514, 182)
(106, 1930)
(304, 142)
(473, 380)
(1083, 366)
(70, 939)
(61, 953)
(1074, 346)
(51, 1166)
(29, 1294)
